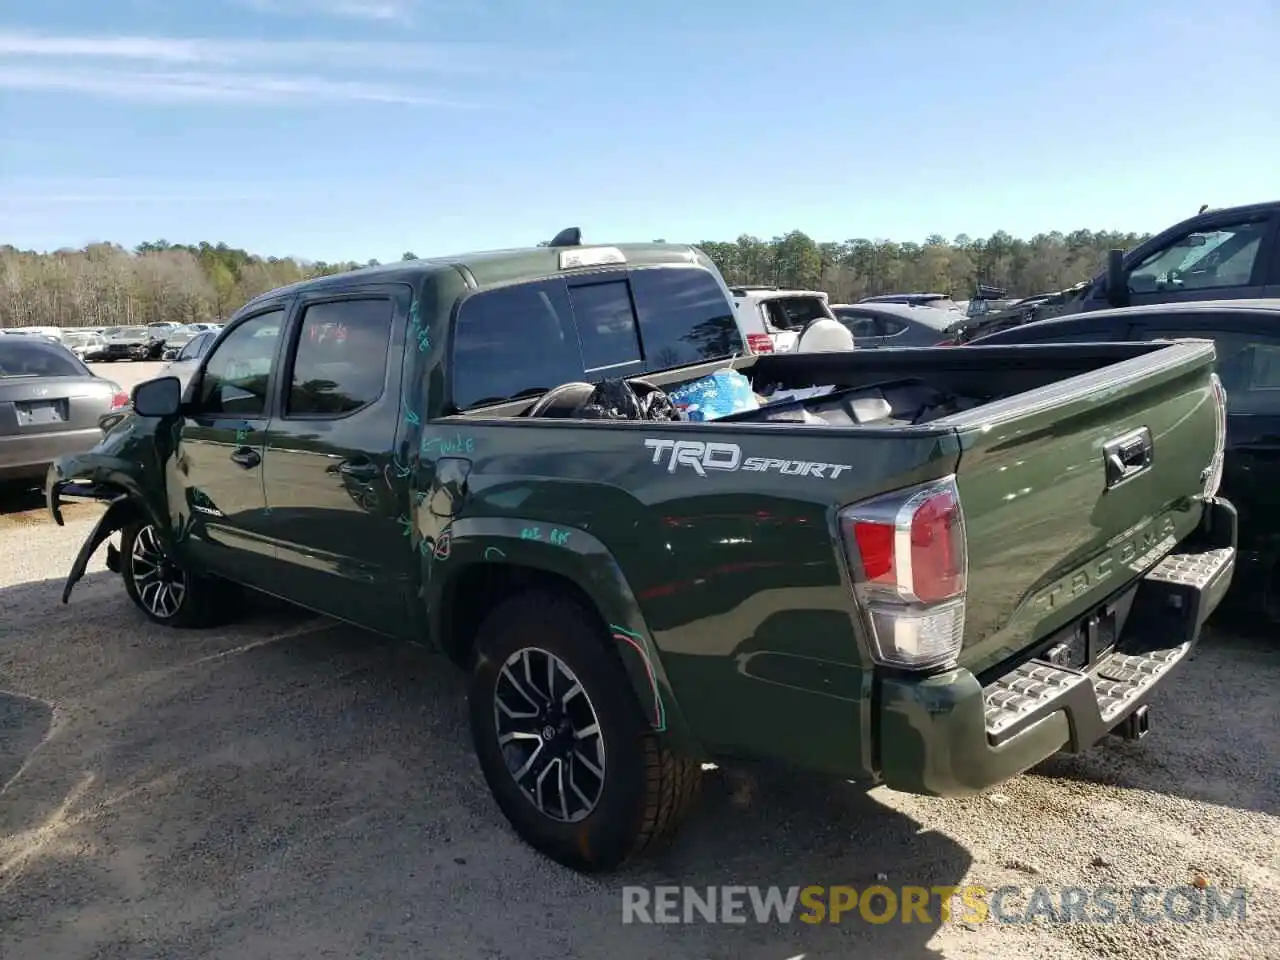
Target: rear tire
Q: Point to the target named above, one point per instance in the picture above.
(598, 786)
(163, 589)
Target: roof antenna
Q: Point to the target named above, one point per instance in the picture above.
(568, 237)
(1203, 208)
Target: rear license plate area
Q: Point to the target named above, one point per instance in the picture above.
(1093, 637)
(39, 413)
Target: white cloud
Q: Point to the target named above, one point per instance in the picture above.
(457, 57)
(384, 11)
(192, 86)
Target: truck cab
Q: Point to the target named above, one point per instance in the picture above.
(1228, 254)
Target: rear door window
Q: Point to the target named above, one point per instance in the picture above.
(861, 324)
(340, 360)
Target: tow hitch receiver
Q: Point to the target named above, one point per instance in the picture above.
(1135, 726)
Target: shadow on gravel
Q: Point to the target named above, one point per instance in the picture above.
(24, 723)
(291, 787)
(1213, 730)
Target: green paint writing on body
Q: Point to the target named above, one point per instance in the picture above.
(412, 419)
(406, 526)
(416, 329)
(448, 446)
(493, 553)
(558, 537)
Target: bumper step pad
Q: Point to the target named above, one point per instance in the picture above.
(1175, 587)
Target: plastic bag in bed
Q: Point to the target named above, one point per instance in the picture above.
(723, 393)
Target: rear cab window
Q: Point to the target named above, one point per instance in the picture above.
(522, 340)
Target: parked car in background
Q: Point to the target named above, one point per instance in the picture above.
(52, 333)
(941, 301)
(175, 341)
(1247, 336)
(894, 324)
(771, 318)
(50, 403)
(131, 343)
(187, 359)
(85, 344)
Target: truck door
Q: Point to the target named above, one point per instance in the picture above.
(335, 487)
(220, 455)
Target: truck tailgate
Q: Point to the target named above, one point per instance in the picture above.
(1072, 491)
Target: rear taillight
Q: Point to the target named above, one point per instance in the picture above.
(118, 398)
(759, 343)
(1213, 473)
(908, 560)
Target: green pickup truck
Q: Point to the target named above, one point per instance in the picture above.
(926, 568)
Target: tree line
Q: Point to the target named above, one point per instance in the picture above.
(104, 284)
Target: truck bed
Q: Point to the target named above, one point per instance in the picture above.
(1051, 536)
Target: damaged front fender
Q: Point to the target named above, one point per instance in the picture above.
(122, 510)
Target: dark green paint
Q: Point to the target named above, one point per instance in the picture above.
(727, 594)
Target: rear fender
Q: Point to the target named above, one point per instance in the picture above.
(582, 559)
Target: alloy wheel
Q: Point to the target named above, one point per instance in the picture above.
(160, 583)
(549, 734)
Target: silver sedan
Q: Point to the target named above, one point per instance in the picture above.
(50, 404)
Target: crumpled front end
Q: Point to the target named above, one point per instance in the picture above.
(121, 471)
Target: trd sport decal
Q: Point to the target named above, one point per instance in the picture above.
(701, 457)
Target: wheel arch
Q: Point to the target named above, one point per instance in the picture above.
(484, 561)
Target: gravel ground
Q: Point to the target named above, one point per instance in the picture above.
(294, 788)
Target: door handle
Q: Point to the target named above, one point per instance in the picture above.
(246, 457)
(363, 470)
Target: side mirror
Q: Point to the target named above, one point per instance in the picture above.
(1117, 279)
(161, 397)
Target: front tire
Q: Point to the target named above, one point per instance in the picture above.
(563, 744)
(162, 588)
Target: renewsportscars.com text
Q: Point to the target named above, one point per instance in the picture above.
(940, 904)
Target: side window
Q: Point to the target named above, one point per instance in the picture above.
(234, 381)
(861, 324)
(194, 348)
(1207, 260)
(890, 327)
(685, 317)
(513, 341)
(340, 363)
(606, 324)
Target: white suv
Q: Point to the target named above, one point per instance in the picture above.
(771, 318)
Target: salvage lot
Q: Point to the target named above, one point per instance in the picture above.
(291, 787)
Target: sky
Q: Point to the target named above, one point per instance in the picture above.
(358, 129)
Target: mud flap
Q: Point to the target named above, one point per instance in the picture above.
(114, 518)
